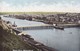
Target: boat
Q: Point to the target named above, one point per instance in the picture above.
(14, 25)
(56, 27)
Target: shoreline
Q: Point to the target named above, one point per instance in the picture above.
(27, 38)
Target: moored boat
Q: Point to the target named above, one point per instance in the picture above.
(59, 27)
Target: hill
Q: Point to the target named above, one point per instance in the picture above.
(9, 41)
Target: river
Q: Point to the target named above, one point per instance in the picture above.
(62, 40)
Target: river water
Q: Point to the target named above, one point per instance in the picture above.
(62, 40)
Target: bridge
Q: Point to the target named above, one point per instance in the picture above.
(35, 27)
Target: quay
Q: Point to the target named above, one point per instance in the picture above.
(34, 27)
(47, 26)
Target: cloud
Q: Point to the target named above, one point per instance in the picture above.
(36, 7)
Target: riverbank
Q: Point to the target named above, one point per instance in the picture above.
(27, 38)
(9, 41)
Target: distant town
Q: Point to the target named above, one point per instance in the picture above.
(68, 18)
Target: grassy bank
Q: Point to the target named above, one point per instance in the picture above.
(10, 41)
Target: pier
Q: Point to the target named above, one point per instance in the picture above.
(34, 27)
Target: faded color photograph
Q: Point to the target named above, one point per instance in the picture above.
(39, 25)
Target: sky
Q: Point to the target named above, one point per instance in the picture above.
(40, 6)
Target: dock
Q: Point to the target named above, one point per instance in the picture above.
(35, 27)
(38, 27)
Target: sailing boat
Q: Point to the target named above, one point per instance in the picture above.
(14, 25)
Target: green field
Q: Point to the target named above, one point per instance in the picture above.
(31, 12)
